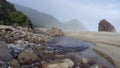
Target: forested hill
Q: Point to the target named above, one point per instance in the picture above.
(10, 16)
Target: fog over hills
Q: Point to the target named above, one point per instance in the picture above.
(41, 19)
(86, 11)
(38, 18)
(74, 25)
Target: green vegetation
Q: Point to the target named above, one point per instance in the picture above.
(10, 16)
(19, 19)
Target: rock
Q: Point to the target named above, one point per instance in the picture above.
(25, 29)
(106, 26)
(20, 42)
(16, 36)
(57, 65)
(40, 30)
(40, 50)
(36, 67)
(38, 38)
(10, 34)
(95, 66)
(6, 28)
(14, 63)
(84, 61)
(55, 32)
(27, 57)
(67, 63)
(5, 55)
(19, 45)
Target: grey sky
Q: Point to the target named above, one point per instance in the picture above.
(89, 12)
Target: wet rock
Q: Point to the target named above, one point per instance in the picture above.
(67, 63)
(106, 26)
(84, 61)
(55, 32)
(20, 44)
(18, 47)
(27, 57)
(5, 55)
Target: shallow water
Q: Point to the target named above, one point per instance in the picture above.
(77, 48)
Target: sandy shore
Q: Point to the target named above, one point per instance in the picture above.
(106, 42)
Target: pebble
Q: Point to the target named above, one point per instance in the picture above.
(84, 61)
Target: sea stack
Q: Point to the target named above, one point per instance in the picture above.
(104, 25)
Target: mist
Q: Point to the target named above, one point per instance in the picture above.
(87, 12)
(44, 20)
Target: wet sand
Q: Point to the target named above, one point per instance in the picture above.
(105, 42)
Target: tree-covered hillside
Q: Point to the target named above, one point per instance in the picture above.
(10, 16)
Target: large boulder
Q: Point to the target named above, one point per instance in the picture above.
(5, 55)
(106, 26)
(26, 57)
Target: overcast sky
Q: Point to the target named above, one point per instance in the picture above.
(89, 12)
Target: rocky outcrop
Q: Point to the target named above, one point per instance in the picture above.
(106, 26)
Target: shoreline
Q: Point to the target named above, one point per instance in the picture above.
(106, 42)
